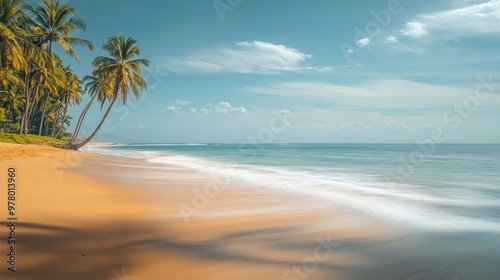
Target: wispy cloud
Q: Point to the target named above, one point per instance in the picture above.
(352, 126)
(243, 57)
(221, 108)
(364, 42)
(482, 18)
(383, 94)
(172, 108)
(415, 29)
(393, 125)
(182, 102)
(405, 48)
(390, 40)
(316, 126)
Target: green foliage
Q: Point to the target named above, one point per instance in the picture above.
(14, 127)
(120, 72)
(27, 139)
(37, 89)
(3, 117)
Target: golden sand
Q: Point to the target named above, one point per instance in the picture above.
(74, 226)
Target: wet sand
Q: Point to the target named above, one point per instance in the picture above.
(85, 216)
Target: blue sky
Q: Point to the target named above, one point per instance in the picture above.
(303, 71)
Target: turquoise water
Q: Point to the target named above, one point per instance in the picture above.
(434, 188)
(440, 204)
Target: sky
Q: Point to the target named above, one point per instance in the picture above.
(262, 71)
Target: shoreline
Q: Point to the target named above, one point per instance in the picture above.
(86, 216)
(73, 224)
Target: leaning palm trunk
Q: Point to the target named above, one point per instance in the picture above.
(43, 114)
(75, 146)
(63, 118)
(54, 126)
(62, 122)
(80, 120)
(120, 70)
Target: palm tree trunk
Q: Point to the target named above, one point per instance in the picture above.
(24, 124)
(34, 103)
(46, 128)
(56, 120)
(82, 117)
(84, 142)
(25, 113)
(43, 114)
(63, 118)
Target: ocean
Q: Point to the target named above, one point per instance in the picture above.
(438, 188)
(440, 203)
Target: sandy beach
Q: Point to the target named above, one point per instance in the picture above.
(74, 226)
(253, 140)
(85, 216)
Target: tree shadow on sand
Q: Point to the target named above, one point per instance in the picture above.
(47, 252)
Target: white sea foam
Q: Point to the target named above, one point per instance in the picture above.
(101, 150)
(167, 145)
(406, 204)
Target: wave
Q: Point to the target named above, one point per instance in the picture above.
(167, 145)
(412, 205)
(105, 150)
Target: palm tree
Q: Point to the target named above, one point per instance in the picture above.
(30, 85)
(51, 84)
(123, 70)
(55, 22)
(97, 88)
(47, 95)
(72, 95)
(12, 60)
(36, 58)
(66, 122)
(12, 101)
(11, 34)
(45, 80)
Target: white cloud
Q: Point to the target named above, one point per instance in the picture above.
(173, 108)
(364, 42)
(221, 108)
(382, 93)
(406, 48)
(225, 105)
(322, 127)
(244, 57)
(430, 125)
(354, 126)
(392, 125)
(415, 29)
(177, 106)
(313, 126)
(225, 108)
(182, 102)
(482, 18)
(390, 40)
(205, 111)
